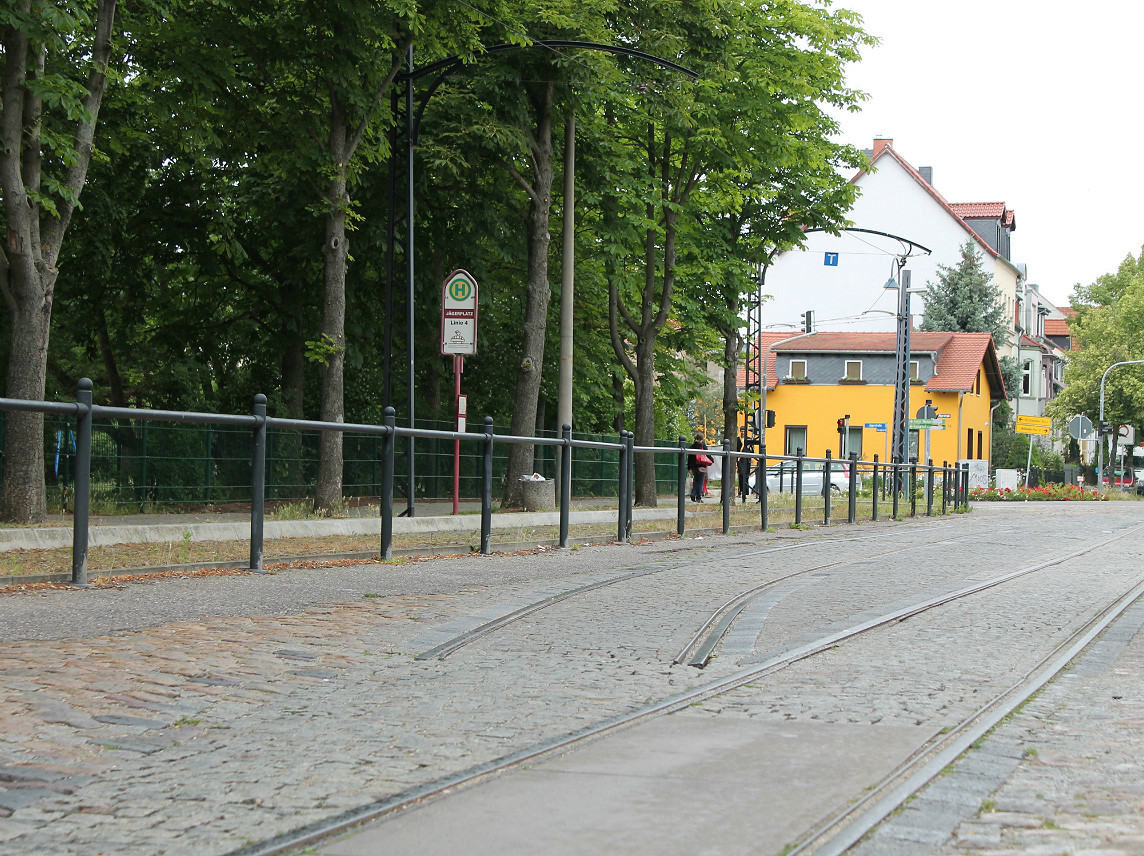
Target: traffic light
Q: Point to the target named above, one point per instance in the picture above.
(770, 419)
(808, 321)
(843, 424)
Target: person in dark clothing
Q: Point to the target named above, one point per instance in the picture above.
(695, 467)
(743, 443)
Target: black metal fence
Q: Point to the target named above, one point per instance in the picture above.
(245, 472)
(144, 464)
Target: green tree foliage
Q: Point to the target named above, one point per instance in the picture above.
(1106, 329)
(246, 145)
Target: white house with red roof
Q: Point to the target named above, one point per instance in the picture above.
(842, 278)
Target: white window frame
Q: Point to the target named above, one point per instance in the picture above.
(846, 370)
(915, 370)
(793, 363)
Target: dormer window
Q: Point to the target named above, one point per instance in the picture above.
(853, 370)
(797, 368)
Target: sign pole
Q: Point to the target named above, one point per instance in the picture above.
(462, 407)
(459, 305)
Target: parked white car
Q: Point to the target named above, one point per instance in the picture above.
(781, 478)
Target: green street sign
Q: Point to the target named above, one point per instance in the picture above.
(927, 424)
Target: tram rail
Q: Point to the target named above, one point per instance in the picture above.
(834, 834)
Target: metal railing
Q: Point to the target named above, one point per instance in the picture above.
(954, 480)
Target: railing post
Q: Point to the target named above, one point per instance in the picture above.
(965, 485)
(622, 499)
(761, 486)
(727, 487)
(565, 481)
(82, 482)
(487, 489)
(929, 488)
(827, 489)
(874, 492)
(258, 484)
(388, 447)
(628, 506)
(680, 503)
(913, 472)
(896, 482)
(944, 487)
(210, 453)
(852, 510)
(798, 487)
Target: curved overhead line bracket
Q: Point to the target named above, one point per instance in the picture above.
(908, 245)
(445, 67)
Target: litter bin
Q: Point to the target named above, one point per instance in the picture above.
(538, 494)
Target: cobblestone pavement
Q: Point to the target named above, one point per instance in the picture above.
(194, 716)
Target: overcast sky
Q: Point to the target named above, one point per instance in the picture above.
(1027, 102)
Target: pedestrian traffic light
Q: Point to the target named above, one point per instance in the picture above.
(843, 423)
(808, 321)
(770, 419)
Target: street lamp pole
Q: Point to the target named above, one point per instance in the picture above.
(1100, 437)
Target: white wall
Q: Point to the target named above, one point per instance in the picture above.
(891, 201)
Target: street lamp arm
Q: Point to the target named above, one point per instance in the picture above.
(913, 245)
(1100, 436)
(445, 67)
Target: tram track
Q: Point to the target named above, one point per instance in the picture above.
(456, 643)
(832, 835)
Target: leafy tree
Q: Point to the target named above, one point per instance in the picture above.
(1106, 329)
(54, 69)
(695, 153)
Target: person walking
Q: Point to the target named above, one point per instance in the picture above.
(693, 464)
(743, 443)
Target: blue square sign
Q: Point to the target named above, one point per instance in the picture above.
(831, 260)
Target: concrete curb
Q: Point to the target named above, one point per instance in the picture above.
(47, 538)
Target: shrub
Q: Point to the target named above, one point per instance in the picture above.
(1045, 493)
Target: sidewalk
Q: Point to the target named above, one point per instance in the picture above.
(431, 516)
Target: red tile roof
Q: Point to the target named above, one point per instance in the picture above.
(1056, 327)
(959, 355)
(766, 340)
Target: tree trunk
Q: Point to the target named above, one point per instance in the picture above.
(335, 251)
(646, 493)
(28, 257)
(732, 345)
(328, 491)
(537, 294)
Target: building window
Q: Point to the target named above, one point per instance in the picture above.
(969, 444)
(854, 442)
(915, 371)
(979, 446)
(797, 368)
(977, 383)
(853, 370)
(1027, 377)
(795, 439)
(915, 444)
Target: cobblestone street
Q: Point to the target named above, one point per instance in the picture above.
(196, 716)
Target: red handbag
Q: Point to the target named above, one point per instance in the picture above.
(704, 460)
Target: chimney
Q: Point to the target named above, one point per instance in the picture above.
(881, 143)
(927, 174)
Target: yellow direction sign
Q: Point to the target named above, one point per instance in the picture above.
(1034, 424)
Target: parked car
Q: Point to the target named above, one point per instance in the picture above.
(1140, 482)
(1121, 477)
(781, 478)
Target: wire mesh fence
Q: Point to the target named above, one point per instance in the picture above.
(147, 465)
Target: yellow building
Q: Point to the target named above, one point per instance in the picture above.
(817, 380)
